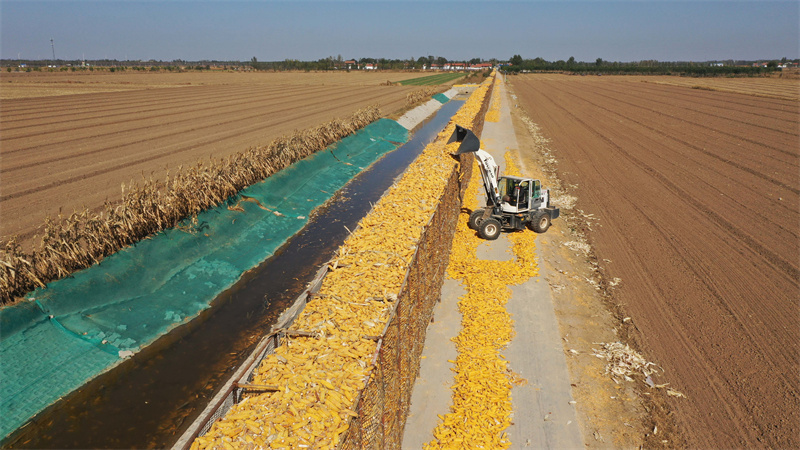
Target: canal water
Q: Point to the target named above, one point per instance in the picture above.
(151, 398)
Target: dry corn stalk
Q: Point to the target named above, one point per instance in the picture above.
(623, 361)
(81, 239)
(414, 97)
(321, 378)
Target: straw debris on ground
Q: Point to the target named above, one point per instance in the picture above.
(624, 362)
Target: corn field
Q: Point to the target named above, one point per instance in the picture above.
(81, 239)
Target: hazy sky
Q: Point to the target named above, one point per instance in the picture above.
(306, 30)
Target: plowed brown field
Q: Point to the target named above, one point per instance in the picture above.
(70, 151)
(696, 193)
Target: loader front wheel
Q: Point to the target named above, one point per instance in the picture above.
(475, 219)
(540, 222)
(489, 229)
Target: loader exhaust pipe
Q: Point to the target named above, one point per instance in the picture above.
(469, 142)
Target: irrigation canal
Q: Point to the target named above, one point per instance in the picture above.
(150, 399)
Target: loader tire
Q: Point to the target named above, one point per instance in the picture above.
(540, 222)
(489, 229)
(475, 219)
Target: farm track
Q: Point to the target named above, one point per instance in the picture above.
(73, 151)
(697, 197)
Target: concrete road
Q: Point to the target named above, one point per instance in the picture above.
(543, 416)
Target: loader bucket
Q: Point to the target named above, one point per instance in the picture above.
(469, 142)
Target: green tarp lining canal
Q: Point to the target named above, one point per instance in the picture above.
(80, 326)
(441, 98)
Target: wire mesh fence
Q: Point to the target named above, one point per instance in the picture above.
(382, 405)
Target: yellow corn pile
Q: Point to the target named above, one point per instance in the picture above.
(482, 386)
(493, 115)
(318, 378)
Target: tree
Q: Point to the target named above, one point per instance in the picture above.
(571, 61)
(516, 60)
(254, 62)
(598, 62)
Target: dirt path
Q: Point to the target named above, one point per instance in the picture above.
(695, 195)
(67, 152)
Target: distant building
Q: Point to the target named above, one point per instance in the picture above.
(481, 66)
(370, 66)
(350, 64)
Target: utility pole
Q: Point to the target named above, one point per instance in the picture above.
(53, 46)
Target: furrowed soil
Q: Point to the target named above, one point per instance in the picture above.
(68, 141)
(690, 199)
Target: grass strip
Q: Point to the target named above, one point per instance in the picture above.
(432, 79)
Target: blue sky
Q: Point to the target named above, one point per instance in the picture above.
(309, 30)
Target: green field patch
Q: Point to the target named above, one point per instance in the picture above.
(432, 79)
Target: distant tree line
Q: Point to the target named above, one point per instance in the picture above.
(113, 65)
(517, 64)
(339, 63)
(649, 67)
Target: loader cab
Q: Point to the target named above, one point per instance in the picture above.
(519, 194)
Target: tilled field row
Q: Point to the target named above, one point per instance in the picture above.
(70, 168)
(768, 88)
(777, 115)
(698, 217)
(36, 86)
(764, 87)
(725, 140)
(147, 114)
(97, 106)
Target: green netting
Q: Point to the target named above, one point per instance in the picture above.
(80, 326)
(442, 98)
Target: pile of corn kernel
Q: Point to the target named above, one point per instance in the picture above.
(319, 377)
(481, 408)
(493, 114)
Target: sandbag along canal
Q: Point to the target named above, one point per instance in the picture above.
(149, 399)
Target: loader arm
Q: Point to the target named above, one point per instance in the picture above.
(490, 172)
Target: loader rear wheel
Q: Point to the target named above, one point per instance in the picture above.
(489, 229)
(540, 222)
(475, 219)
